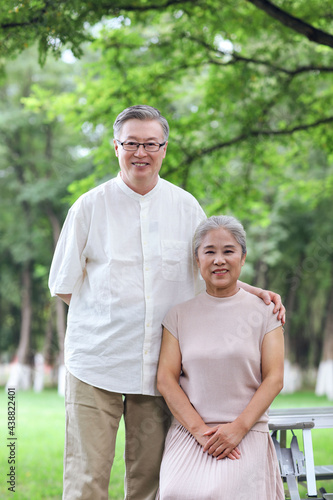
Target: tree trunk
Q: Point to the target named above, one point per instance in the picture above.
(60, 310)
(47, 350)
(45, 358)
(60, 306)
(260, 278)
(292, 372)
(26, 314)
(324, 385)
(21, 371)
(61, 329)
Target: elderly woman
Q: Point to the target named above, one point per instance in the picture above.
(221, 366)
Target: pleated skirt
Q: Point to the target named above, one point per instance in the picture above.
(189, 474)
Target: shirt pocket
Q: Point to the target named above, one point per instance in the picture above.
(175, 259)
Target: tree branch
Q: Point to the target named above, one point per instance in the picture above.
(104, 8)
(260, 62)
(258, 133)
(313, 34)
(157, 6)
(238, 58)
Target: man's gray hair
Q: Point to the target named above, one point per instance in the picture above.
(215, 222)
(140, 112)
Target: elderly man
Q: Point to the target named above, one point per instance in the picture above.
(124, 257)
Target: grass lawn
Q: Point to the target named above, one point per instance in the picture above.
(40, 423)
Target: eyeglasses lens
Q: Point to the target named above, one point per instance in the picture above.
(150, 148)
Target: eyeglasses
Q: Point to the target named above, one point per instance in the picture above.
(150, 147)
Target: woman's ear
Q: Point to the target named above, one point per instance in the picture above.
(243, 259)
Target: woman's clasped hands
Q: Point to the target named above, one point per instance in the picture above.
(222, 441)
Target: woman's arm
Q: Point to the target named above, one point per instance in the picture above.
(225, 437)
(168, 374)
(268, 297)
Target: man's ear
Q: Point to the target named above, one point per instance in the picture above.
(115, 143)
(165, 148)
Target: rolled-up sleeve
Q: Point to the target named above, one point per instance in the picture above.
(68, 262)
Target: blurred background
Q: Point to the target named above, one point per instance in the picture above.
(247, 89)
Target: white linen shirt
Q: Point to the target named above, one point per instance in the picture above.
(126, 259)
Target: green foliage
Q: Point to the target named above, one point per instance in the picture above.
(224, 107)
(40, 157)
(55, 25)
(249, 101)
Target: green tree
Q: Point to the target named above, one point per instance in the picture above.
(247, 88)
(66, 22)
(41, 155)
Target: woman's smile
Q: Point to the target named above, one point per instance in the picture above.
(220, 261)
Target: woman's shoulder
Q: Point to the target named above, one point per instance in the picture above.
(256, 301)
(261, 313)
(187, 304)
(183, 308)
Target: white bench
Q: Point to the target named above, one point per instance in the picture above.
(296, 465)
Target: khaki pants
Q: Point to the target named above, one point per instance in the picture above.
(92, 420)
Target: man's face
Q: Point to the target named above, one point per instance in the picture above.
(140, 169)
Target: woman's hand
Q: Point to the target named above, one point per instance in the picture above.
(223, 440)
(204, 439)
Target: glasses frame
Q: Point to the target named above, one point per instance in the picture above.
(144, 144)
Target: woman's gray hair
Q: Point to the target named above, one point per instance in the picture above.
(215, 222)
(140, 112)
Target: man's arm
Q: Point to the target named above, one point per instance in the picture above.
(267, 297)
(66, 297)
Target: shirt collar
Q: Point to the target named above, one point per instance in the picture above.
(136, 196)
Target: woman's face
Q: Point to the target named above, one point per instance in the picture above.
(220, 261)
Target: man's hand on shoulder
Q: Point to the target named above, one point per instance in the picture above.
(267, 296)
